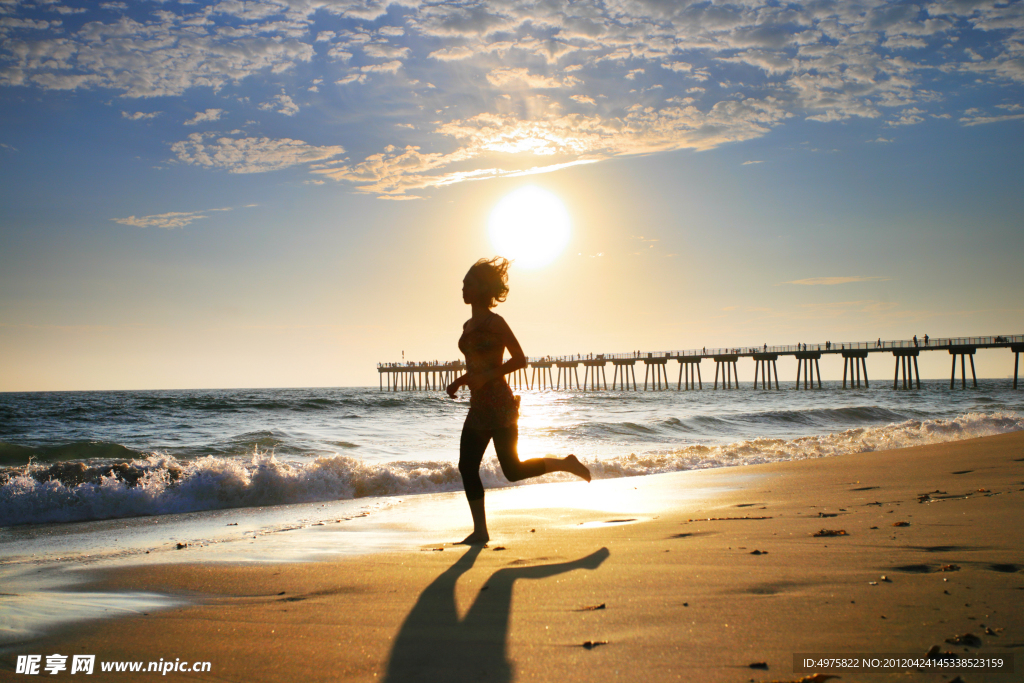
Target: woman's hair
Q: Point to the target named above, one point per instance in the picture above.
(492, 274)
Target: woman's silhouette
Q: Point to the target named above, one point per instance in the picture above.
(493, 410)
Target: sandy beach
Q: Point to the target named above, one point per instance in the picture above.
(711, 575)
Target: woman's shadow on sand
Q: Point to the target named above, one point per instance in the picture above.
(435, 645)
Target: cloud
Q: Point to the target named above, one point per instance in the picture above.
(204, 116)
(395, 172)
(556, 142)
(339, 53)
(683, 67)
(449, 54)
(908, 117)
(140, 115)
(521, 77)
(388, 67)
(974, 117)
(384, 50)
(248, 154)
(282, 104)
(351, 78)
(503, 75)
(834, 280)
(748, 163)
(169, 221)
(165, 56)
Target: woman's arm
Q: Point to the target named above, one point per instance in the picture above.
(453, 388)
(518, 359)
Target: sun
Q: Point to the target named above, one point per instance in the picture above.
(530, 226)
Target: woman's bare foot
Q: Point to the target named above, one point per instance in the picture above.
(475, 538)
(573, 465)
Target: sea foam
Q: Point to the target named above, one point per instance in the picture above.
(160, 484)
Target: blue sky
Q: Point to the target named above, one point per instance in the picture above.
(284, 193)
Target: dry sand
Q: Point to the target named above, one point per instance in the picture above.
(695, 576)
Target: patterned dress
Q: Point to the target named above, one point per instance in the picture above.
(492, 406)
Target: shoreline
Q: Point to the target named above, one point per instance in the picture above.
(701, 573)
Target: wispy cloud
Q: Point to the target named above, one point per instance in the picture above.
(140, 115)
(205, 116)
(174, 219)
(842, 280)
(522, 78)
(975, 117)
(168, 221)
(249, 154)
(908, 117)
(282, 104)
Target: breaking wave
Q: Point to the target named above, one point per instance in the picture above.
(160, 484)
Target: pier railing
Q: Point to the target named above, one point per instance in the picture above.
(934, 344)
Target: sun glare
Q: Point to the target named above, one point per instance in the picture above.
(530, 226)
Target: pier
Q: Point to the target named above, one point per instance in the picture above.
(538, 374)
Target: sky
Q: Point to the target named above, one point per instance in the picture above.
(284, 193)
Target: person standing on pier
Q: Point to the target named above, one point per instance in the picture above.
(493, 409)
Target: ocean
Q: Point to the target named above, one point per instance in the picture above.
(69, 457)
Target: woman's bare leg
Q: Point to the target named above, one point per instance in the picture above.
(506, 445)
(479, 535)
(471, 452)
(570, 464)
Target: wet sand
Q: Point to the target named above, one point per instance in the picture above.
(690, 576)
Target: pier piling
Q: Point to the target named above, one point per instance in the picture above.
(687, 365)
(657, 365)
(765, 363)
(904, 358)
(567, 369)
(1017, 350)
(809, 361)
(539, 379)
(963, 351)
(594, 369)
(854, 361)
(623, 368)
(727, 363)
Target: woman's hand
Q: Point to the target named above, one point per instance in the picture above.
(473, 380)
(453, 388)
